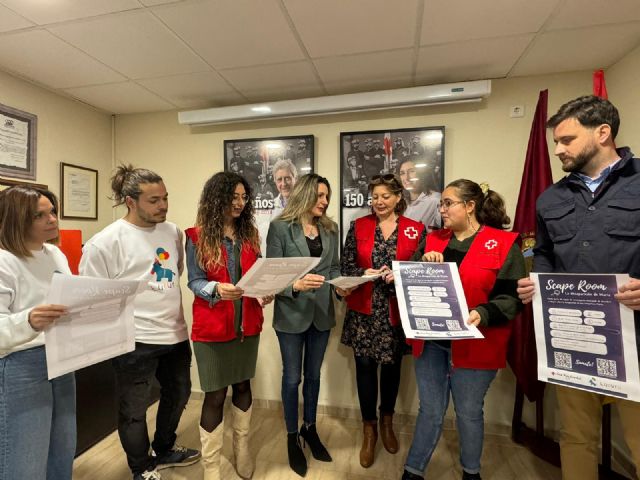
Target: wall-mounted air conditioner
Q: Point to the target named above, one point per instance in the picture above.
(403, 97)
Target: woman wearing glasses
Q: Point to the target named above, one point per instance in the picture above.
(490, 264)
(303, 313)
(372, 324)
(222, 246)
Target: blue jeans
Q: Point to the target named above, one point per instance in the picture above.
(37, 419)
(293, 346)
(171, 365)
(436, 379)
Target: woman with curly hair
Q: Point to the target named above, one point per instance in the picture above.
(221, 248)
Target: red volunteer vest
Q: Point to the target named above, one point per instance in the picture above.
(478, 272)
(409, 232)
(215, 323)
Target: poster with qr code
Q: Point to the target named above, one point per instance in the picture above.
(585, 338)
(431, 301)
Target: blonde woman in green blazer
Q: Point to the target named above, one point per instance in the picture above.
(303, 312)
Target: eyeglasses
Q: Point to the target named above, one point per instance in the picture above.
(447, 204)
(384, 178)
(240, 198)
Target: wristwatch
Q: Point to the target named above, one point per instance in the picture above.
(216, 294)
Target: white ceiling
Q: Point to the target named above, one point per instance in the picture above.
(126, 56)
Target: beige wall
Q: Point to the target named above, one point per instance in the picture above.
(622, 86)
(482, 143)
(68, 132)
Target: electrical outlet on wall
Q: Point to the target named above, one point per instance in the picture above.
(516, 111)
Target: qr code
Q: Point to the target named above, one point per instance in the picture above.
(422, 324)
(453, 325)
(607, 368)
(562, 360)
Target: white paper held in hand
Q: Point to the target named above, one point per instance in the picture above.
(99, 324)
(269, 276)
(352, 282)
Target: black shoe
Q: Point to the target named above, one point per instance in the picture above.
(411, 476)
(470, 476)
(310, 436)
(176, 456)
(297, 460)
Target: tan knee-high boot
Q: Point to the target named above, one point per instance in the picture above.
(241, 424)
(211, 447)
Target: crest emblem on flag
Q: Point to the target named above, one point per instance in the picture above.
(411, 233)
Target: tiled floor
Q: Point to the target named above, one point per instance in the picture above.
(502, 459)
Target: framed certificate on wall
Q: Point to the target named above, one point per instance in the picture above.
(78, 192)
(18, 133)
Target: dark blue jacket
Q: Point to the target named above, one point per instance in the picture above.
(583, 232)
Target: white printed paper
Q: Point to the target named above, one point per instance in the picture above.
(99, 324)
(269, 276)
(585, 338)
(432, 302)
(351, 282)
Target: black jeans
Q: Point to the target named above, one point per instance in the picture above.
(367, 380)
(171, 365)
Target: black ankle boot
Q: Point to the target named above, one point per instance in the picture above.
(470, 476)
(411, 476)
(310, 436)
(297, 460)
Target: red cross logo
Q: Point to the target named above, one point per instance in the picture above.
(411, 232)
(491, 244)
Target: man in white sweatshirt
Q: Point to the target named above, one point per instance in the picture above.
(144, 246)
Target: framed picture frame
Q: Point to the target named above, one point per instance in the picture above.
(6, 183)
(415, 155)
(78, 192)
(271, 166)
(18, 143)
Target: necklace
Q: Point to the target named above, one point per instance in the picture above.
(309, 231)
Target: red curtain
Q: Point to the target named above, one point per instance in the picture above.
(536, 177)
(599, 85)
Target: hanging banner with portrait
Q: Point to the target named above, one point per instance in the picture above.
(415, 155)
(271, 166)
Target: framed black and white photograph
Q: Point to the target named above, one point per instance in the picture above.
(18, 134)
(415, 155)
(78, 192)
(271, 166)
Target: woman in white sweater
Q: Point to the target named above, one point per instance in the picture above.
(37, 415)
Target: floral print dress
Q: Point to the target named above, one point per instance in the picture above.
(372, 335)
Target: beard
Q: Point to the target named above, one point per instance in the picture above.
(149, 218)
(577, 163)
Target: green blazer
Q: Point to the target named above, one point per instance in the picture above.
(296, 314)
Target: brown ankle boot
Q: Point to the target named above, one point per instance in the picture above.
(389, 439)
(370, 436)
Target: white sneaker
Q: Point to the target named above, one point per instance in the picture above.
(148, 475)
